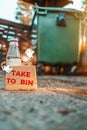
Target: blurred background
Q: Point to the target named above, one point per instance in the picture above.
(18, 17)
(16, 10)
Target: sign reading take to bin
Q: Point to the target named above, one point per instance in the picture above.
(21, 78)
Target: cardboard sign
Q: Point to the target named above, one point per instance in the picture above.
(21, 78)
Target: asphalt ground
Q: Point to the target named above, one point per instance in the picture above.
(59, 103)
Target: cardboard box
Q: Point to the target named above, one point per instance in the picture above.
(21, 78)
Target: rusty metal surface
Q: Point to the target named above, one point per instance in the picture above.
(10, 29)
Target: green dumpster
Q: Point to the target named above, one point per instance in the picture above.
(58, 35)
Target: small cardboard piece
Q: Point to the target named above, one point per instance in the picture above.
(21, 78)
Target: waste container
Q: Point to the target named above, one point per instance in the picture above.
(58, 35)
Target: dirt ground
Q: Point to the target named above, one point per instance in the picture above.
(59, 103)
